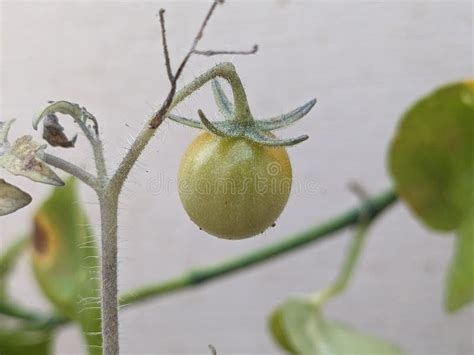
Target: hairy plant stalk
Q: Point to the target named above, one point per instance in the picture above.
(70, 168)
(108, 202)
(108, 190)
(100, 165)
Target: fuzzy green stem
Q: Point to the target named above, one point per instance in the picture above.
(110, 193)
(108, 202)
(100, 164)
(226, 71)
(70, 168)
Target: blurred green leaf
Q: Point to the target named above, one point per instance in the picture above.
(300, 328)
(432, 162)
(65, 261)
(8, 260)
(25, 342)
(460, 280)
(431, 157)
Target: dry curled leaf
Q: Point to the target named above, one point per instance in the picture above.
(21, 159)
(53, 133)
(12, 198)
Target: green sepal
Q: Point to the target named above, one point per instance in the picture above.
(238, 121)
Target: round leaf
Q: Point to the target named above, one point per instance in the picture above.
(431, 156)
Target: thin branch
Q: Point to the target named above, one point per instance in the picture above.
(70, 168)
(165, 46)
(347, 269)
(354, 251)
(35, 320)
(372, 208)
(204, 23)
(213, 349)
(101, 167)
(210, 53)
(160, 114)
(359, 191)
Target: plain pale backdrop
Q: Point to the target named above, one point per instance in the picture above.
(364, 61)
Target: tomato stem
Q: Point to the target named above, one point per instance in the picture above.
(372, 208)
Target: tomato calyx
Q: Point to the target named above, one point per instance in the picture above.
(238, 120)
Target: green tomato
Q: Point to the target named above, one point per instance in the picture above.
(233, 188)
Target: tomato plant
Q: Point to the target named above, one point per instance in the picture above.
(234, 181)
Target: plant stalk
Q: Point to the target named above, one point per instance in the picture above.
(70, 168)
(108, 202)
(340, 284)
(372, 208)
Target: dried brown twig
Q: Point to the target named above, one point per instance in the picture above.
(173, 78)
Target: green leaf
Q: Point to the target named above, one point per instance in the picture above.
(431, 157)
(460, 280)
(25, 342)
(432, 162)
(299, 327)
(65, 261)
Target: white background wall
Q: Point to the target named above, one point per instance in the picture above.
(364, 61)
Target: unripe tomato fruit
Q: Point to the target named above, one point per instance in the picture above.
(233, 188)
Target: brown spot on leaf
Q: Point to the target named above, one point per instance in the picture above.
(40, 239)
(46, 242)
